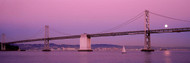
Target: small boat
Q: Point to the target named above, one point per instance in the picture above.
(123, 50)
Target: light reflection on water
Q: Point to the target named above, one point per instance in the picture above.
(147, 57)
(83, 58)
(95, 57)
(167, 56)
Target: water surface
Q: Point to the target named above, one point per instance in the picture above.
(94, 57)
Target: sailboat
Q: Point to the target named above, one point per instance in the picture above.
(123, 50)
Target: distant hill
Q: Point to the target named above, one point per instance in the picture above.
(94, 46)
(52, 45)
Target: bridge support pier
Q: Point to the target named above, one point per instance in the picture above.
(3, 47)
(85, 44)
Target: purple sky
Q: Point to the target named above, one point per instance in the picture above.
(24, 19)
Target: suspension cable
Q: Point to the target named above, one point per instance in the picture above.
(126, 22)
(169, 17)
(62, 33)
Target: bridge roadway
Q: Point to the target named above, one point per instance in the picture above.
(171, 30)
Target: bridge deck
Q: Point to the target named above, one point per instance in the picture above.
(171, 30)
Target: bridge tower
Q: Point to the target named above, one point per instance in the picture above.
(85, 43)
(46, 39)
(147, 42)
(3, 47)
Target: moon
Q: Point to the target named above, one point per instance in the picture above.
(166, 25)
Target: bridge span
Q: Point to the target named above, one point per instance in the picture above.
(85, 42)
(171, 30)
(86, 37)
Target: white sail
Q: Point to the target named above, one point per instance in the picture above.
(123, 50)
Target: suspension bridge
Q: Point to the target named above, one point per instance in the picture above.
(85, 39)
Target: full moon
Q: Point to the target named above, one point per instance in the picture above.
(166, 25)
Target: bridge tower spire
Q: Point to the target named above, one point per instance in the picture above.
(3, 47)
(46, 39)
(147, 42)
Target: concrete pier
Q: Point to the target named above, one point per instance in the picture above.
(147, 50)
(85, 43)
(3, 46)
